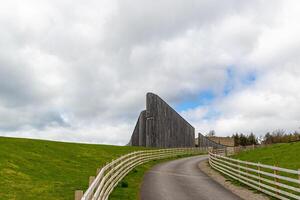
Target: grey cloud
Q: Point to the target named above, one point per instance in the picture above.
(138, 23)
(79, 72)
(16, 86)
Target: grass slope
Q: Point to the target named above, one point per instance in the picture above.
(37, 169)
(283, 155)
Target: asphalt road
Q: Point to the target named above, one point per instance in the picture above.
(182, 180)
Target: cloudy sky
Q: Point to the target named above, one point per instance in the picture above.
(75, 70)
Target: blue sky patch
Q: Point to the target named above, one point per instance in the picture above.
(233, 78)
(249, 79)
(204, 98)
(230, 81)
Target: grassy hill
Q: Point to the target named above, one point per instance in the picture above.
(37, 169)
(283, 155)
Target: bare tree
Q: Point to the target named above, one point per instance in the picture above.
(211, 133)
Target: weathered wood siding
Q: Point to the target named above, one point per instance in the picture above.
(138, 136)
(205, 142)
(161, 126)
(142, 128)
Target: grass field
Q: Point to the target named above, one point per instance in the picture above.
(37, 169)
(283, 155)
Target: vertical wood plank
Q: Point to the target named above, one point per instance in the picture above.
(78, 194)
(239, 168)
(161, 126)
(299, 176)
(275, 179)
(259, 181)
(91, 179)
(98, 171)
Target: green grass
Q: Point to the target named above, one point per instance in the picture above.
(129, 187)
(283, 155)
(133, 181)
(37, 169)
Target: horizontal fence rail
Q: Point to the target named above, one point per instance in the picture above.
(111, 174)
(275, 181)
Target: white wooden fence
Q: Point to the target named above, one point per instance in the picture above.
(278, 182)
(111, 174)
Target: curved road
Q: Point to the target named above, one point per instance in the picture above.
(182, 180)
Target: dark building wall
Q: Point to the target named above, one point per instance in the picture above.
(142, 128)
(138, 138)
(134, 140)
(161, 126)
(165, 127)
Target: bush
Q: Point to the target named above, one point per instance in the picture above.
(124, 184)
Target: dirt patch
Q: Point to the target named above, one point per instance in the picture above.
(242, 192)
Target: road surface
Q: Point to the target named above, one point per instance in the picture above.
(182, 180)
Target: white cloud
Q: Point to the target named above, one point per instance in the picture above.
(79, 71)
(272, 102)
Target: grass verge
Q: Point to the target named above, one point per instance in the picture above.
(283, 155)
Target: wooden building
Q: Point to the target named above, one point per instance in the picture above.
(161, 126)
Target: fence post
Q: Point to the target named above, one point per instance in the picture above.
(239, 171)
(78, 194)
(275, 179)
(247, 169)
(91, 179)
(98, 171)
(299, 176)
(111, 169)
(258, 168)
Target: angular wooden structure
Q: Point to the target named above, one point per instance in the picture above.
(161, 126)
(205, 142)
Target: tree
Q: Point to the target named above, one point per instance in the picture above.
(268, 138)
(243, 139)
(236, 139)
(211, 133)
(252, 139)
(279, 136)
